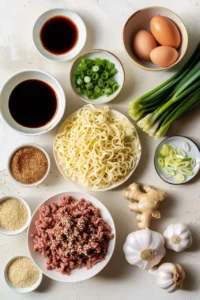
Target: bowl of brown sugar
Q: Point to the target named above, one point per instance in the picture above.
(28, 165)
(15, 215)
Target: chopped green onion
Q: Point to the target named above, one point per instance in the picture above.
(97, 90)
(108, 91)
(193, 163)
(104, 75)
(94, 77)
(185, 172)
(77, 72)
(83, 67)
(106, 84)
(95, 68)
(89, 86)
(113, 71)
(79, 81)
(115, 87)
(100, 82)
(186, 146)
(179, 178)
(165, 150)
(161, 162)
(111, 81)
(110, 65)
(87, 79)
(171, 167)
(89, 72)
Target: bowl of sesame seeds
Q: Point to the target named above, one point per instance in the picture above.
(28, 165)
(22, 275)
(15, 215)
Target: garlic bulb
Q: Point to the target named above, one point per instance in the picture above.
(144, 248)
(177, 237)
(169, 276)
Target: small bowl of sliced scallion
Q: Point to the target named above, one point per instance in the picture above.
(97, 76)
(177, 159)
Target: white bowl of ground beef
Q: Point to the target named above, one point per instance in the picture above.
(71, 237)
(28, 165)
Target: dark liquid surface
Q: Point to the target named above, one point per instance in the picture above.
(59, 35)
(33, 103)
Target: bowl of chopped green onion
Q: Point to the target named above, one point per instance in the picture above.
(177, 159)
(97, 76)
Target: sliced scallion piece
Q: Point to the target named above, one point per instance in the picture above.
(186, 146)
(161, 162)
(95, 68)
(87, 79)
(179, 178)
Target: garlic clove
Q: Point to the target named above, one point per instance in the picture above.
(179, 228)
(164, 284)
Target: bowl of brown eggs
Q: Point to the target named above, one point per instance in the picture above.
(155, 38)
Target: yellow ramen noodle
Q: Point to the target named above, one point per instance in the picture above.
(97, 149)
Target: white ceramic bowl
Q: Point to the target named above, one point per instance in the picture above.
(21, 290)
(141, 20)
(15, 232)
(119, 77)
(11, 155)
(177, 141)
(82, 34)
(61, 167)
(19, 77)
(78, 274)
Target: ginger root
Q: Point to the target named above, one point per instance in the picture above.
(145, 203)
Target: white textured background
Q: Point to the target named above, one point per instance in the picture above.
(104, 20)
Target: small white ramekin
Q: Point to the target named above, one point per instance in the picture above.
(21, 290)
(15, 232)
(75, 18)
(18, 148)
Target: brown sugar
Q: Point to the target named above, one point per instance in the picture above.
(28, 165)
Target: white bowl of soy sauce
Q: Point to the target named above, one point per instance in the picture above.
(59, 34)
(32, 102)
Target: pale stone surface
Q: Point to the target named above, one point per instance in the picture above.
(104, 20)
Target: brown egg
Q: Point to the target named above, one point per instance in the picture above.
(165, 31)
(164, 56)
(143, 44)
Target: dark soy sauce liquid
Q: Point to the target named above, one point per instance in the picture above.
(59, 35)
(33, 103)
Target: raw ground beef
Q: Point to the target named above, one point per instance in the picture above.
(71, 235)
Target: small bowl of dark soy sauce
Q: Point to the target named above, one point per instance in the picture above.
(32, 102)
(59, 34)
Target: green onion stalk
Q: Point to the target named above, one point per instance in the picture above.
(160, 107)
